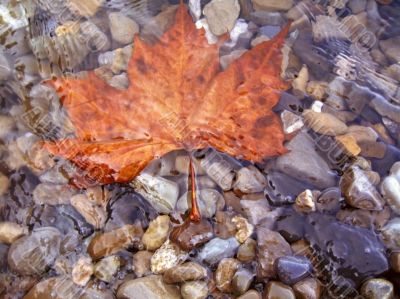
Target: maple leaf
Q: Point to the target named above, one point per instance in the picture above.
(178, 98)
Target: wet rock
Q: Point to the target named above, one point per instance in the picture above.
(313, 170)
(122, 28)
(256, 210)
(82, 271)
(247, 251)
(116, 60)
(391, 234)
(244, 228)
(35, 253)
(270, 246)
(226, 60)
(10, 232)
(324, 123)
(207, 199)
(340, 241)
(154, 28)
(224, 274)
(192, 234)
(221, 15)
(242, 280)
(309, 288)
(391, 188)
(292, 269)
(156, 233)
(272, 5)
(60, 287)
(329, 200)
(148, 287)
(364, 218)
(5, 70)
(194, 290)
(395, 261)
(291, 122)
(385, 108)
(299, 84)
(359, 190)
(305, 202)
(161, 193)
(391, 48)
(217, 249)
(186, 272)
(85, 9)
(7, 123)
(224, 227)
(166, 257)
(377, 288)
(277, 290)
(250, 180)
(349, 144)
(362, 134)
(52, 194)
(106, 268)
(373, 149)
(111, 242)
(357, 6)
(252, 294)
(94, 213)
(141, 263)
(4, 184)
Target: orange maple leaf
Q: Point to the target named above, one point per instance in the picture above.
(178, 98)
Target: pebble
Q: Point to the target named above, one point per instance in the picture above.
(252, 294)
(5, 70)
(349, 144)
(192, 234)
(272, 5)
(278, 290)
(226, 269)
(313, 170)
(194, 290)
(242, 281)
(82, 271)
(122, 28)
(357, 6)
(385, 108)
(291, 122)
(244, 228)
(309, 288)
(391, 188)
(166, 257)
(270, 246)
(51, 194)
(305, 202)
(141, 263)
(157, 233)
(377, 288)
(226, 60)
(4, 184)
(395, 261)
(148, 287)
(255, 210)
(186, 272)
(10, 232)
(155, 27)
(217, 249)
(94, 213)
(221, 15)
(359, 190)
(364, 218)
(249, 180)
(391, 48)
(207, 199)
(299, 84)
(292, 269)
(106, 268)
(60, 287)
(324, 123)
(7, 124)
(391, 234)
(85, 9)
(34, 253)
(224, 227)
(220, 171)
(247, 251)
(113, 241)
(161, 193)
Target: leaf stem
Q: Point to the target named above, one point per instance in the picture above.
(194, 215)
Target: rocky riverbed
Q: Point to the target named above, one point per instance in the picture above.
(321, 221)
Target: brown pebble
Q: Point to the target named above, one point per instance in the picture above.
(373, 149)
(224, 274)
(395, 261)
(113, 241)
(309, 288)
(247, 251)
(252, 294)
(141, 263)
(192, 234)
(185, 272)
(278, 290)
